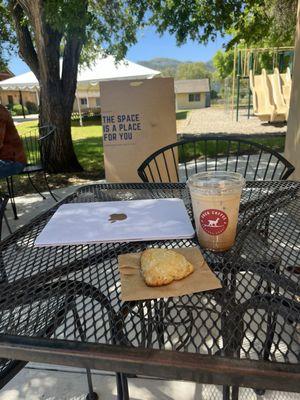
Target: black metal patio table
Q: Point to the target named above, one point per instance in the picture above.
(245, 334)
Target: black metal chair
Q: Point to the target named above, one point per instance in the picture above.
(37, 144)
(3, 202)
(43, 322)
(211, 153)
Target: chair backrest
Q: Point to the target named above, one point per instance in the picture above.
(177, 161)
(35, 144)
(3, 202)
(46, 141)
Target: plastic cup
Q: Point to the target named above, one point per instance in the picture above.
(216, 199)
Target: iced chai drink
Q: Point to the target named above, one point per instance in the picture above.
(216, 199)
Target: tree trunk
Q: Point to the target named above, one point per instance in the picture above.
(57, 85)
(60, 155)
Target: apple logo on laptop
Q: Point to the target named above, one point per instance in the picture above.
(117, 217)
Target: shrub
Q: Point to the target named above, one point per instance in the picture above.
(32, 107)
(17, 108)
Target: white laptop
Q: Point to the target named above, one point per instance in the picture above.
(117, 221)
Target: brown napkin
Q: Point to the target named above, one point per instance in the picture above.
(133, 286)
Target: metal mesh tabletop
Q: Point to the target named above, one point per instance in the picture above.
(254, 317)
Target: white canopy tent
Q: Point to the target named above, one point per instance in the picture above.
(103, 69)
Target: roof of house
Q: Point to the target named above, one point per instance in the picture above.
(103, 69)
(192, 86)
(5, 74)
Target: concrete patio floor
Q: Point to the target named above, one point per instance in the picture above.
(44, 382)
(47, 382)
(31, 205)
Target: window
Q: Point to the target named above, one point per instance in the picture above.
(10, 99)
(83, 101)
(194, 97)
(98, 104)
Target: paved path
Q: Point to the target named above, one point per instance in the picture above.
(216, 120)
(37, 383)
(19, 119)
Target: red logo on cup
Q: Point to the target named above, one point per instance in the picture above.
(213, 222)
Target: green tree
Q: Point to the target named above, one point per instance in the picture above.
(223, 62)
(49, 29)
(168, 72)
(196, 70)
(7, 38)
(269, 22)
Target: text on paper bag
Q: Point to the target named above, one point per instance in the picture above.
(120, 128)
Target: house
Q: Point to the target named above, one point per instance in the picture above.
(192, 93)
(5, 74)
(88, 78)
(12, 95)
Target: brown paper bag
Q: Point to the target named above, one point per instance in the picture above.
(138, 118)
(133, 286)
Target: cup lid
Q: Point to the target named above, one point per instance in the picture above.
(216, 181)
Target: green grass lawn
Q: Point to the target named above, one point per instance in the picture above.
(213, 147)
(89, 149)
(181, 114)
(87, 141)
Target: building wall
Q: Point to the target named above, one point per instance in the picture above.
(183, 103)
(91, 103)
(27, 96)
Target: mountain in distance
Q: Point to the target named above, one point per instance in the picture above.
(160, 63)
(170, 66)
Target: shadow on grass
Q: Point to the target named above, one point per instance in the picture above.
(90, 154)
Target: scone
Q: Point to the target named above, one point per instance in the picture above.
(160, 266)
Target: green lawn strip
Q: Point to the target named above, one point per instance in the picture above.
(211, 147)
(88, 145)
(181, 114)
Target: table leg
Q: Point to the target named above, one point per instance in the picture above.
(226, 392)
(91, 395)
(122, 386)
(119, 386)
(125, 387)
(235, 393)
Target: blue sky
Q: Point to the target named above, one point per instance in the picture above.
(151, 45)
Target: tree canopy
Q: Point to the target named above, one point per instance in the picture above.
(106, 26)
(7, 37)
(268, 22)
(196, 70)
(111, 25)
(223, 62)
(74, 31)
